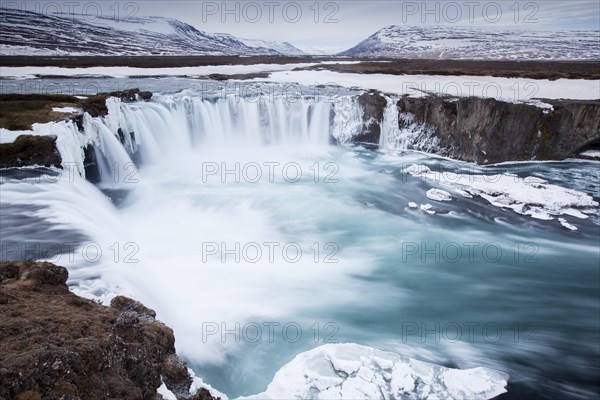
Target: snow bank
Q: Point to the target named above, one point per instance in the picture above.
(351, 371)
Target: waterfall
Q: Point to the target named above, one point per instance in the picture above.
(400, 131)
(109, 152)
(347, 119)
(173, 123)
(174, 126)
(391, 136)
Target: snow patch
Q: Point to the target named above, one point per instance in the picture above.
(68, 110)
(197, 384)
(165, 392)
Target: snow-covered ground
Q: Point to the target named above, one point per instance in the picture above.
(123, 72)
(506, 89)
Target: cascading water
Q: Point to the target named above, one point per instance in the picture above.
(172, 124)
(399, 131)
(220, 180)
(347, 119)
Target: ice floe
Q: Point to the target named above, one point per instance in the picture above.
(427, 208)
(567, 225)
(352, 371)
(528, 196)
(438, 195)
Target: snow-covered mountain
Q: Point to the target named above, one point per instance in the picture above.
(30, 33)
(460, 43)
(281, 47)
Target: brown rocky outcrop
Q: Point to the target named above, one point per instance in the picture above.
(96, 105)
(56, 345)
(30, 150)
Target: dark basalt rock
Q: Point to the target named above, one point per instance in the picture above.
(90, 164)
(56, 345)
(121, 135)
(373, 105)
(78, 120)
(145, 95)
(28, 150)
(572, 127)
(490, 131)
(130, 95)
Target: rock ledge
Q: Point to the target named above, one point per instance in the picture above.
(56, 345)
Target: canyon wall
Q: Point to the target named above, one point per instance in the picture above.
(489, 131)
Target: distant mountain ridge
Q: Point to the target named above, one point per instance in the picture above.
(30, 33)
(469, 43)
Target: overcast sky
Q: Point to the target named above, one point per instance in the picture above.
(340, 24)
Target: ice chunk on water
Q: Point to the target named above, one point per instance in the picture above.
(567, 225)
(528, 196)
(352, 371)
(427, 208)
(438, 195)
